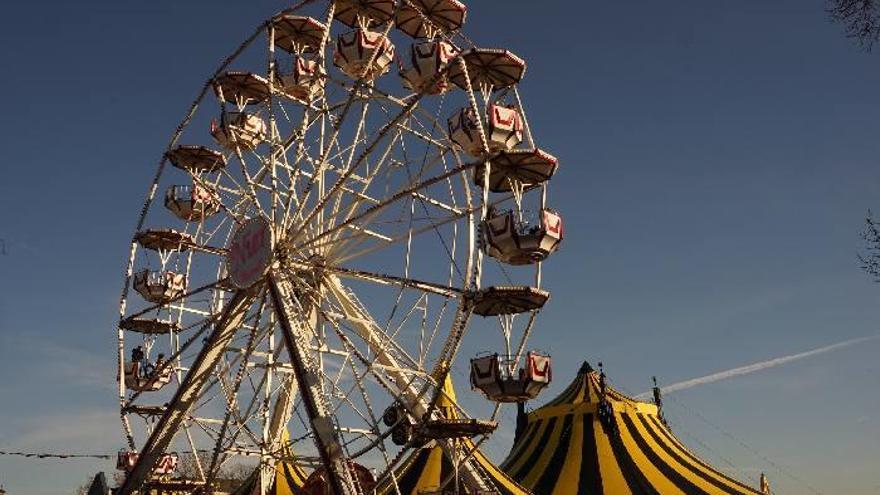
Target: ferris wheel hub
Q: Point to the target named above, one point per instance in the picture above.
(250, 253)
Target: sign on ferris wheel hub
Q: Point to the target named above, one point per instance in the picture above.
(250, 253)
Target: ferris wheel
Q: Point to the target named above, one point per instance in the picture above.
(327, 223)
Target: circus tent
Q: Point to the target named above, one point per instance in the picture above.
(594, 440)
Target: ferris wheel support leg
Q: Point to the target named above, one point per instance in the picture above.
(188, 392)
(309, 381)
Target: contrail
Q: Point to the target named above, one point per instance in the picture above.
(752, 368)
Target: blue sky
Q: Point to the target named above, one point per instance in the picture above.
(717, 159)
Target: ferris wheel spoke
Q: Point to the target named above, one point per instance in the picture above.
(236, 201)
(222, 397)
(404, 113)
(407, 192)
(215, 187)
(347, 255)
(345, 398)
(295, 170)
(365, 184)
(234, 187)
(330, 153)
(215, 380)
(391, 280)
(349, 177)
(345, 244)
(240, 426)
(373, 419)
(460, 214)
(319, 113)
(328, 218)
(322, 162)
(381, 96)
(372, 368)
(428, 339)
(387, 352)
(249, 189)
(440, 145)
(356, 320)
(427, 132)
(281, 411)
(358, 201)
(267, 178)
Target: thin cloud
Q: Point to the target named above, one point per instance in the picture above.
(60, 363)
(70, 431)
(753, 368)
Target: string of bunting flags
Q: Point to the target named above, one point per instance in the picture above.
(56, 455)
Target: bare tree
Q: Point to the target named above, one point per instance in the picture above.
(187, 468)
(228, 478)
(84, 488)
(187, 465)
(238, 473)
(860, 19)
(870, 258)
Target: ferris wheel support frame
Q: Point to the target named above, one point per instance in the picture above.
(309, 380)
(184, 398)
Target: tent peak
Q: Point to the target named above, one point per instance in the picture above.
(585, 368)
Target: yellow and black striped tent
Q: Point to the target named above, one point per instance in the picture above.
(593, 440)
(427, 470)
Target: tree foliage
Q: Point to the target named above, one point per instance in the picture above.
(870, 257)
(859, 18)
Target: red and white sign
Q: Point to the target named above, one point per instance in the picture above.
(250, 253)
